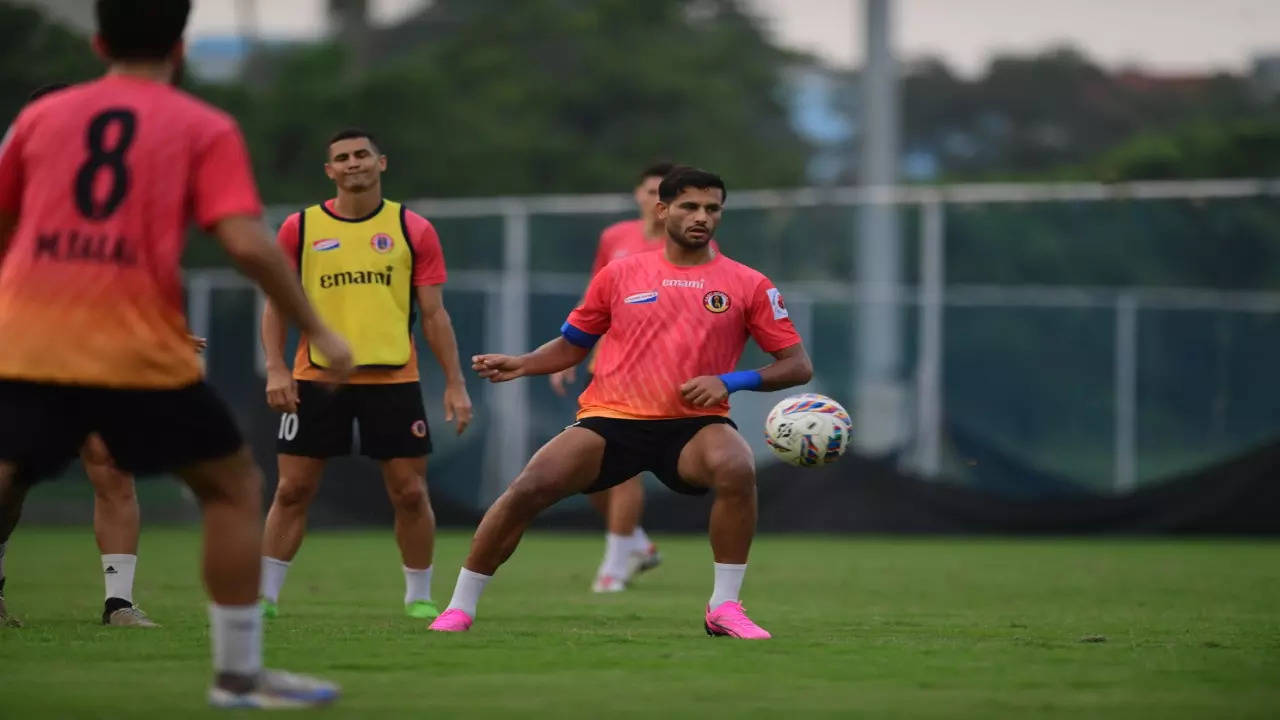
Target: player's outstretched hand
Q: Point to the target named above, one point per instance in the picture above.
(282, 390)
(560, 379)
(704, 391)
(457, 406)
(335, 349)
(497, 368)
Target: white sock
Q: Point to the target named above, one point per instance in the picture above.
(617, 550)
(273, 572)
(235, 632)
(640, 541)
(417, 585)
(728, 583)
(467, 592)
(117, 572)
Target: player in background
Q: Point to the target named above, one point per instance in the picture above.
(364, 261)
(628, 549)
(98, 184)
(677, 322)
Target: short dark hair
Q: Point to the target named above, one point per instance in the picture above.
(141, 29)
(682, 177)
(353, 133)
(658, 170)
(45, 90)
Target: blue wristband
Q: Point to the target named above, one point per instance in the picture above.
(741, 380)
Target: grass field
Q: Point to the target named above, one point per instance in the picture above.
(863, 627)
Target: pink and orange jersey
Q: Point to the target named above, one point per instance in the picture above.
(104, 179)
(619, 240)
(667, 324)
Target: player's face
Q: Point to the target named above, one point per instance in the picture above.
(692, 218)
(646, 195)
(355, 165)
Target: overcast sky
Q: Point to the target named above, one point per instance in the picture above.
(1168, 36)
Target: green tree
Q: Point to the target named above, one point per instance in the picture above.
(38, 52)
(1243, 148)
(1030, 115)
(483, 97)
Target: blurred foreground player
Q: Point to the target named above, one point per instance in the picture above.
(98, 183)
(116, 520)
(677, 321)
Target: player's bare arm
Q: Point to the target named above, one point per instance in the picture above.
(250, 247)
(282, 389)
(438, 329)
(791, 367)
(551, 357)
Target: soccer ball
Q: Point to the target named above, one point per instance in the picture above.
(808, 430)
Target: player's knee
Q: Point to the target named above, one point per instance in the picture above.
(410, 496)
(293, 493)
(118, 490)
(534, 489)
(733, 472)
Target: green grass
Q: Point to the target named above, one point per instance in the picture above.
(863, 627)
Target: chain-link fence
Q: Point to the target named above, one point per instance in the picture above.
(1057, 338)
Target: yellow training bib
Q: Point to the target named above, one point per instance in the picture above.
(358, 275)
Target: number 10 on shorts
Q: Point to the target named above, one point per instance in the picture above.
(288, 426)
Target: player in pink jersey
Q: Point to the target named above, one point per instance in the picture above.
(116, 518)
(678, 321)
(628, 549)
(98, 184)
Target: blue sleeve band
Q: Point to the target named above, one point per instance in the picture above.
(578, 337)
(741, 380)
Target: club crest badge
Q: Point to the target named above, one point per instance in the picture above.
(715, 301)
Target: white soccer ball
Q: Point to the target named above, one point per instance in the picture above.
(808, 430)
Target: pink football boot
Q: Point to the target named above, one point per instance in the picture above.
(454, 620)
(731, 619)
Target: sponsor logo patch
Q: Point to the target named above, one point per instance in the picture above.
(382, 243)
(419, 428)
(326, 244)
(644, 297)
(682, 283)
(356, 277)
(715, 301)
(775, 301)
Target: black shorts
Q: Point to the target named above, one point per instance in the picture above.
(393, 422)
(42, 426)
(633, 446)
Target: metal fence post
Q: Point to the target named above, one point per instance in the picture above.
(508, 441)
(199, 303)
(929, 364)
(1126, 388)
